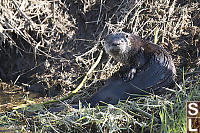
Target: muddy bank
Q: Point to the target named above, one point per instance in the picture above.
(49, 48)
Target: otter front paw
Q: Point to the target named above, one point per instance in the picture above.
(129, 75)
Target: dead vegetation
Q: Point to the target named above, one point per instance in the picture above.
(49, 46)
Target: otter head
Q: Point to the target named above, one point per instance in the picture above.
(120, 45)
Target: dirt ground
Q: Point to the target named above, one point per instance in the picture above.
(47, 47)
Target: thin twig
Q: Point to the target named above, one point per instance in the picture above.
(21, 11)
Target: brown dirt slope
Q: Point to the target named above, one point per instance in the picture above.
(48, 46)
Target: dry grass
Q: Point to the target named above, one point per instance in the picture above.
(55, 43)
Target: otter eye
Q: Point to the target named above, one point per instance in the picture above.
(121, 41)
(126, 35)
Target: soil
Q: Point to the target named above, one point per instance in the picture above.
(59, 62)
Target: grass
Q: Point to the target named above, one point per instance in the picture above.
(58, 42)
(169, 113)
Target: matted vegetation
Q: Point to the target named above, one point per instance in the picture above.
(49, 47)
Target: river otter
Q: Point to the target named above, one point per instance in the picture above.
(148, 68)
